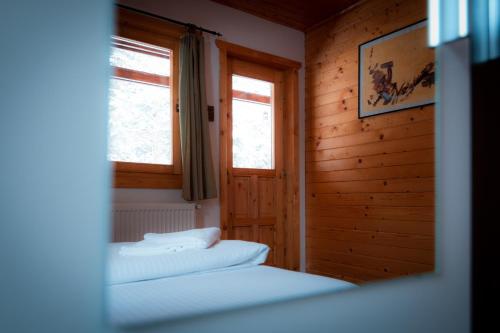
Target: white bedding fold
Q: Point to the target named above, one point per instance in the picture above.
(155, 244)
(203, 237)
(123, 269)
(148, 248)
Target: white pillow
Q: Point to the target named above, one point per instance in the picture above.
(226, 253)
(155, 244)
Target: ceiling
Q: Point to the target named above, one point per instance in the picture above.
(297, 14)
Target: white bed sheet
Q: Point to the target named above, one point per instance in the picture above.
(170, 298)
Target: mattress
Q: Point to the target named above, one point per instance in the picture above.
(158, 300)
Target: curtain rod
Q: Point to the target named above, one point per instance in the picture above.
(187, 25)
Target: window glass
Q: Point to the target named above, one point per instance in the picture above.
(253, 124)
(140, 57)
(246, 84)
(140, 123)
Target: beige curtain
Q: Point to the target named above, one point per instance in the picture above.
(198, 180)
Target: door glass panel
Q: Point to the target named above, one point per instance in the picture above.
(253, 123)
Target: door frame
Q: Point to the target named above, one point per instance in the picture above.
(291, 222)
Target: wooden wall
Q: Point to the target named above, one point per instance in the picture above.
(369, 183)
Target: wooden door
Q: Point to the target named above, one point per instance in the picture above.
(255, 175)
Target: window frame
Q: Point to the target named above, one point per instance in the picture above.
(142, 28)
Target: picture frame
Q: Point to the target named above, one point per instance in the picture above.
(396, 71)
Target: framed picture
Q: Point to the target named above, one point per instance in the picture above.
(396, 72)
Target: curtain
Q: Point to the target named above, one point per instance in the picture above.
(198, 180)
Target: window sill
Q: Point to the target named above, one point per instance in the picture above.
(147, 180)
(136, 175)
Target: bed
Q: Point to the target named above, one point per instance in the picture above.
(229, 275)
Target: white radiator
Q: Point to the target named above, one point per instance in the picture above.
(132, 221)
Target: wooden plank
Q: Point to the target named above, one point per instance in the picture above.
(421, 256)
(373, 212)
(338, 95)
(412, 185)
(251, 97)
(249, 221)
(349, 103)
(336, 275)
(174, 97)
(318, 264)
(391, 172)
(243, 233)
(143, 77)
(383, 134)
(420, 142)
(267, 235)
(142, 167)
(422, 199)
(269, 173)
(147, 180)
(225, 208)
(365, 224)
(241, 190)
(374, 161)
(327, 98)
(291, 166)
(391, 266)
(266, 197)
(372, 123)
(253, 197)
(279, 151)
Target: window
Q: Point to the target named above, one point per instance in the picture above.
(253, 123)
(143, 129)
(140, 117)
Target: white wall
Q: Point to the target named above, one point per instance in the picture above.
(240, 28)
(54, 176)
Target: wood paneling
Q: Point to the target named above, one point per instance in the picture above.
(297, 14)
(369, 182)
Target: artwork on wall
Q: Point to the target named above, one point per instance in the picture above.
(396, 72)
